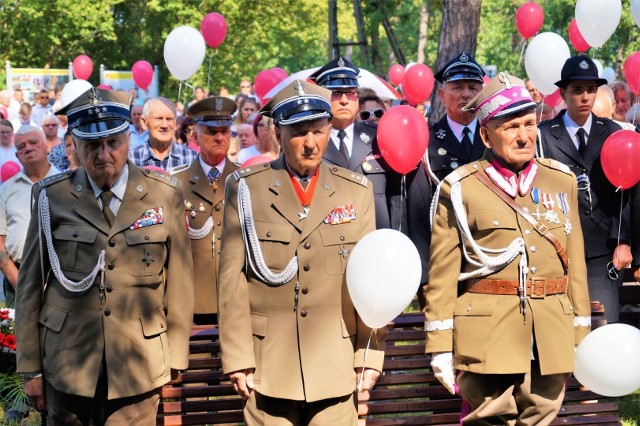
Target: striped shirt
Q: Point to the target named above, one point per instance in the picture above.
(142, 156)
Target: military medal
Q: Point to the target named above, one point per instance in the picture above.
(139, 188)
(535, 196)
(341, 214)
(548, 202)
(366, 167)
(304, 195)
(365, 138)
(564, 206)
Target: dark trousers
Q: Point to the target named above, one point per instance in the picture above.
(602, 288)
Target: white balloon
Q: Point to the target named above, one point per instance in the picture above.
(543, 60)
(609, 74)
(598, 19)
(607, 360)
(184, 51)
(383, 275)
(635, 11)
(72, 90)
(599, 66)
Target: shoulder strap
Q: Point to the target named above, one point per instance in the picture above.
(541, 228)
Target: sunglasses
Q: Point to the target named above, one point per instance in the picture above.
(352, 95)
(366, 115)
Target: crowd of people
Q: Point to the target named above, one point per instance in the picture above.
(516, 226)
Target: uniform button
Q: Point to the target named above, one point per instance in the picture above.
(527, 231)
(112, 243)
(269, 234)
(305, 290)
(335, 169)
(534, 248)
(75, 234)
(306, 267)
(45, 319)
(161, 325)
(146, 237)
(341, 237)
(307, 246)
(496, 223)
(534, 269)
(219, 223)
(303, 313)
(587, 212)
(107, 312)
(217, 208)
(109, 288)
(111, 266)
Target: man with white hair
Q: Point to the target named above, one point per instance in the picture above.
(605, 105)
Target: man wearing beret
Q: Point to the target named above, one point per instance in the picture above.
(507, 299)
(292, 342)
(575, 137)
(203, 187)
(105, 294)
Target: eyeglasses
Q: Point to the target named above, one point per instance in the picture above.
(44, 97)
(612, 272)
(351, 95)
(366, 115)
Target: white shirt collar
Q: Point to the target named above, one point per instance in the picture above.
(348, 139)
(206, 167)
(457, 128)
(119, 186)
(572, 127)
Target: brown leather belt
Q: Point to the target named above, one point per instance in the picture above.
(536, 287)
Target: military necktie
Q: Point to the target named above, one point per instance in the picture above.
(466, 143)
(343, 146)
(582, 141)
(105, 198)
(213, 176)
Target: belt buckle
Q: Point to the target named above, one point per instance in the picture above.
(532, 292)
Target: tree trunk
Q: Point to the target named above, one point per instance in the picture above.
(458, 33)
(422, 36)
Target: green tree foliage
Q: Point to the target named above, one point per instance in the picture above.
(291, 34)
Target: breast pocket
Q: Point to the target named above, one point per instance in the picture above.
(494, 228)
(73, 245)
(147, 250)
(338, 242)
(275, 243)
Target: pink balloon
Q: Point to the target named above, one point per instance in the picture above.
(529, 19)
(82, 67)
(214, 29)
(396, 73)
(576, 39)
(9, 170)
(104, 87)
(631, 70)
(279, 73)
(486, 80)
(619, 158)
(265, 81)
(554, 99)
(142, 73)
(417, 83)
(155, 169)
(256, 159)
(403, 136)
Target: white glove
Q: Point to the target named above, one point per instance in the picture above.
(442, 366)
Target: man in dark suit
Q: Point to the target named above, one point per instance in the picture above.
(203, 188)
(105, 293)
(575, 137)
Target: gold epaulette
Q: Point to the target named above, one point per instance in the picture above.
(462, 172)
(248, 171)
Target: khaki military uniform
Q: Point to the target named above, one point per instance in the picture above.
(139, 330)
(304, 338)
(200, 204)
(487, 333)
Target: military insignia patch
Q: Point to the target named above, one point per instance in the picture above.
(365, 138)
(441, 133)
(341, 214)
(154, 216)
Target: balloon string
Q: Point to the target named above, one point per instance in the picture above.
(180, 90)
(403, 197)
(524, 43)
(620, 221)
(209, 73)
(364, 361)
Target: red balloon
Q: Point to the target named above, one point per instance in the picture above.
(142, 73)
(417, 83)
(631, 70)
(620, 156)
(82, 67)
(155, 169)
(104, 87)
(256, 159)
(403, 136)
(554, 99)
(9, 170)
(529, 19)
(279, 73)
(396, 73)
(576, 39)
(265, 81)
(485, 80)
(214, 29)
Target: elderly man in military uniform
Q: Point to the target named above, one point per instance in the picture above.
(292, 343)
(575, 137)
(507, 300)
(203, 187)
(105, 294)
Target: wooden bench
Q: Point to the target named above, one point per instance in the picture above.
(407, 393)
